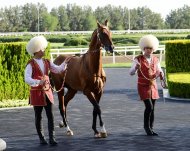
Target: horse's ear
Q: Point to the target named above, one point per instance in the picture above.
(98, 24)
(106, 22)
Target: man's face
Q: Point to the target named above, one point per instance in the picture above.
(39, 54)
(148, 50)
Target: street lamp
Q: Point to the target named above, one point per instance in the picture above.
(129, 20)
(38, 9)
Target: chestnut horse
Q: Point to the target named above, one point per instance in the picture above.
(85, 74)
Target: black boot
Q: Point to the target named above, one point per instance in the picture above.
(41, 135)
(43, 141)
(147, 124)
(42, 138)
(148, 131)
(152, 123)
(52, 140)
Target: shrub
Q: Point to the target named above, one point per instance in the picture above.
(13, 60)
(179, 84)
(177, 68)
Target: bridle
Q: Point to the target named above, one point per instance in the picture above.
(100, 37)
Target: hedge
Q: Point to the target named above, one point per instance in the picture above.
(177, 56)
(178, 67)
(13, 60)
(179, 84)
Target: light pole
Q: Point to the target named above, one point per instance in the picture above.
(38, 9)
(129, 20)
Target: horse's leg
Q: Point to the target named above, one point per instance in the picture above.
(62, 107)
(69, 95)
(103, 130)
(96, 111)
(57, 82)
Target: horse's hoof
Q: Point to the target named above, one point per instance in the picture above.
(98, 135)
(103, 134)
(70, 133)
(61, 124)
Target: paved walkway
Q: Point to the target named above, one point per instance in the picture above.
(123, 116)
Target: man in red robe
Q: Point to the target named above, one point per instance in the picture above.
(148, 68)
(36, 75)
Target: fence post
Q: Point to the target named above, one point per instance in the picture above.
(125, 51)
(113, 57)
(51, 57)
(133, 54)
(104, 53)
(58, 53)
(160, 56)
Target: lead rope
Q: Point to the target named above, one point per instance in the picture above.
(62, 86)
(162, 79)
(50, 86)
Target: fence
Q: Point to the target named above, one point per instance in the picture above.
(90, 32)
(124, 50)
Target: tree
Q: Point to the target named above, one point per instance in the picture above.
(3, 21)
(116, 16)
(88, 20)
(102, 14)
(148, 19)
(179, 18)
(10, 19)
(63, 19)
(29, 17)
(48, 22)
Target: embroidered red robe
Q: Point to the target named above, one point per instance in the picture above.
(147, 86)
(38, 94)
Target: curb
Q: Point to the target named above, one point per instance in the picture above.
(167, 96)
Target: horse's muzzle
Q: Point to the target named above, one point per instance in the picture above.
(109, 48)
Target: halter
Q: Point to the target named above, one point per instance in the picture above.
(99, 37)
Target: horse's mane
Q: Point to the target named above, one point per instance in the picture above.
(94, 33)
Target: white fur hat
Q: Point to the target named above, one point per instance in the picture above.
(36, 44)
(149, 41)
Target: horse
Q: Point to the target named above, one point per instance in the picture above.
(85, 73)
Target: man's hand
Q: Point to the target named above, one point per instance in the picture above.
(137, 67)
(161, 76)
(42, 82)
(65, 66)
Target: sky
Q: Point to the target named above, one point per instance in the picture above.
(158, 6)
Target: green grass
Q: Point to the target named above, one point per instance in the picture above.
(13, 103)
(123, 65)
(61, 45)
(179, 77)
(56, 45)
(117, 65)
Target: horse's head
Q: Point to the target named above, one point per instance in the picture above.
(104, 36)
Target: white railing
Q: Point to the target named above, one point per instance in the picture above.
(90, 32)
(80, 51)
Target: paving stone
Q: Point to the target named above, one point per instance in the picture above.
(122, 113)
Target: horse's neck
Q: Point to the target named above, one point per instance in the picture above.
(95, 56)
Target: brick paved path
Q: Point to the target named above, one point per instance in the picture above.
(123, 116)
